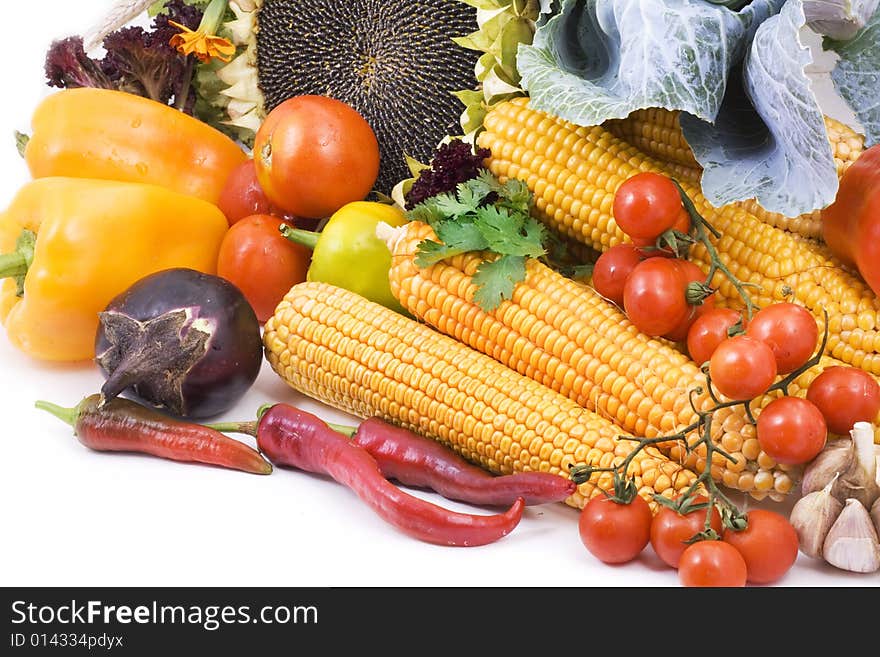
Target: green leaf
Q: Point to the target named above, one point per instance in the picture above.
(593, 61)
(430, 253)
(427, 213)
(504, 233)
(496, 280)
(769, 141)
(450, 205)
(461, 235)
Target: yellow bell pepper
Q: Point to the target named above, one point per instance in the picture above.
(92, 240)
(101, 133)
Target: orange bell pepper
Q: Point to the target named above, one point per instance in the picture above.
(80, 243)
(100, 133)
(851, 225)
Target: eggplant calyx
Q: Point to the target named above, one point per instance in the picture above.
(154, 357)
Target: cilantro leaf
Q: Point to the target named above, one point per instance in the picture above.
(430, 253)
(450, 205)
(495, 280)
(472, 194)
(515, 194)
(462, 235)
(427, 213)
(504, 232)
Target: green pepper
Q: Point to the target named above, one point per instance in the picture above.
(346, 252)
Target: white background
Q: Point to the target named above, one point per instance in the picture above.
(70, 516)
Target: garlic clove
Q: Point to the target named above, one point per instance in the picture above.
(812, 517)
(875, 515)
(834, 458)
(852, 543)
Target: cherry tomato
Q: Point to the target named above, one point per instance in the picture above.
(791, 430)
(670, 530)
(742, 367)
(242, 195)
(261, 262)
(648, 247)
(614, 532)
(654, 296)
(708, 331)
(712, 563)
(790, 330)
(611, 270)
(845, 395)
(691, 274)
(314, 154)
(646, 205)
(769, 545)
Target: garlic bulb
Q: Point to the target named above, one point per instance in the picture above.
(813, 516)
(853, 460)
(832, 460)
(852, 543)
(859, 481)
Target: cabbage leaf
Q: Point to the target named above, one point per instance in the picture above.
(857, 76)
(769, 141)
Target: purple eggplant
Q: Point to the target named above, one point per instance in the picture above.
(182, 341)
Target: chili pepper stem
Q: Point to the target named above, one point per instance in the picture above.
(250, 428)
(307, 238)
(68, 415)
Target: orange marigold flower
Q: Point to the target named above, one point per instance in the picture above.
(201, 44)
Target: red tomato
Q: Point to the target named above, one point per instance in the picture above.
(769, 545)
(712, 563)
(646, 205)
(791, 430)
(611, 270)
(845, 395)
(647, 247)
(654, 296)
(691, 274)
(790, 330)
(708, 331)
(314, 154)
(242, 195)
(256, 258)
(615, 532)
(742, 367)
(670, 530)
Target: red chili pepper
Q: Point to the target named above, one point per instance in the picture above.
(121, 425)
(293, 437)
(414, 460)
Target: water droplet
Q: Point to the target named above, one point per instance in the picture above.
(141, 168)
(136, 123)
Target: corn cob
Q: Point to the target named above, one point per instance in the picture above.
(573, 340)
(656, 132)
(365, 359)
(575, 171)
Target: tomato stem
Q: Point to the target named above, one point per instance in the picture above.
(700, 227)
(730, 513)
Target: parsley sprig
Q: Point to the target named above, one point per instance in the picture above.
(484, 215)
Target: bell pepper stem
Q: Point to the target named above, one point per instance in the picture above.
(307, 238)
(16, 264)
(12, 264)
(68, 415)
